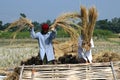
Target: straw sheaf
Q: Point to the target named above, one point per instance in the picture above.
(65, 22)
(21, 23)
(73, 34)
(88, 17)
(92, 20)
(84, 32)
(84, 18)
(67, 16)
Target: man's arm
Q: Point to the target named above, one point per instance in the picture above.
(33, 34)
(52, 32)
(92, 43)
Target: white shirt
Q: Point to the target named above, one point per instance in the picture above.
(85, 55)
(45, 43)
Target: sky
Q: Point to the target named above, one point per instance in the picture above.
(42, 10)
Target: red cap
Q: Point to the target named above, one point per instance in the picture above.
(45, 27)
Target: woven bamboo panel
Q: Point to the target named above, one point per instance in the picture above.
(94, 71)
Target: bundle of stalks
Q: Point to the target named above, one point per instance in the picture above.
(65, 21)
(88, 18)
(92, 20)
(21, 23)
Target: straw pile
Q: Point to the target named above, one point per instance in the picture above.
(65, 48)
(106, 57)
(14, 75)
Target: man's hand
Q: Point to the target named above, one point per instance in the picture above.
(31, 25)
(52, 29)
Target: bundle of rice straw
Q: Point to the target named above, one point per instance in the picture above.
(88, 18)
(65, 21)
(21, 23)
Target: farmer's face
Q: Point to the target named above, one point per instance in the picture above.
(44, 31)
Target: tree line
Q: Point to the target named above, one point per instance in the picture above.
(102, 27)
(112, 25)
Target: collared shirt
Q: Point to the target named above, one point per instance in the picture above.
(86, 55)
(45, 43)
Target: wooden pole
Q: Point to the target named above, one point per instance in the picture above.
(33, 72)
(21, 72)
(113, 71)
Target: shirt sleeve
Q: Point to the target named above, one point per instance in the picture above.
(80, 41)
(53, 34)
(92, 43)
(33, 34)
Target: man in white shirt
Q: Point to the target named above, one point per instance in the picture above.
(84, 55)
(45, 38)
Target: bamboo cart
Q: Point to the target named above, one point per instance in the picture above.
(93, 71)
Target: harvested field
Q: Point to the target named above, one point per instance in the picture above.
(23, 49)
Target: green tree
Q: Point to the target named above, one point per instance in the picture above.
(115, 25)
(1, 27)
(6, 25)
(36, 26)
(102, 24)
(23, 15)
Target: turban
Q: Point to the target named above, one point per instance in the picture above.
(45, 27)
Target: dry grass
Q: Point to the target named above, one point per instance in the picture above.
(106, 57)
(14, 75)
(66, 22)
(88, 17)
(21, 23)
(65, 48)
(12, 55)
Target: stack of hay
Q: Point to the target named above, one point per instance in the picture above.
(106, 57)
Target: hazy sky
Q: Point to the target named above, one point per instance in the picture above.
(42, 10)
